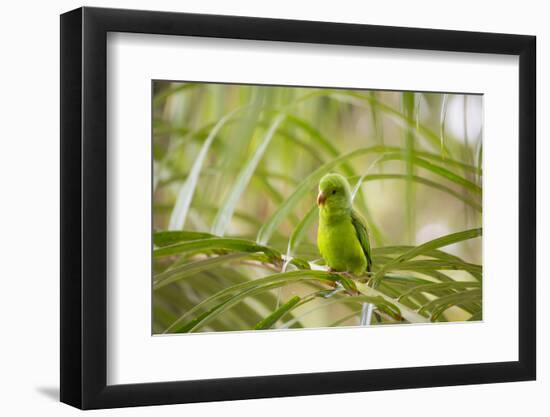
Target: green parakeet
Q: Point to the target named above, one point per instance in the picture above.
(342, 236)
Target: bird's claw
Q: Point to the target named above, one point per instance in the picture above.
(341, 273)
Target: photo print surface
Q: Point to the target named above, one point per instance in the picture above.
(282, 207)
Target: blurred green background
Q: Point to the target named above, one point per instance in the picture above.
(243, 161)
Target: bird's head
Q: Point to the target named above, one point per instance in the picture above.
(334, 193)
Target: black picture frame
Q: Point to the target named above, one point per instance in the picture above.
(84, 207)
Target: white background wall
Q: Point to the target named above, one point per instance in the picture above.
(29, 177)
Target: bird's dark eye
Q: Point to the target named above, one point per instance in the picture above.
(333, 191)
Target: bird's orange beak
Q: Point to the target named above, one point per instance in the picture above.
(321, 198)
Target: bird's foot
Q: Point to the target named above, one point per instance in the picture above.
(366, 278)
(345, 283)
(341, 273)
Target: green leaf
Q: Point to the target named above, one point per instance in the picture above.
(185, 195)
(212, 314)
(427, 265)
(243, 132)
(442, 120)
(406, 280)
(215, 243)
(268, 282)
(391, 308)
(245, 315)
(449, 175)
(409, 137)
(439, 286)
(477, 316)
(377, 121)
(432, 253)
(301, 230)
(424, 181)
(410, 282)
(275, 195)
(300, 263)
(407, 313)
(348, 284)
(432, 244)
(403, 120)
(226, 211)
(439, 305)
(169, 237)
(320, 140)
(229, 276)
(270, 320)
(164, 94)
(294, 139)
(190, 269)
(380, 302)
(443, 172)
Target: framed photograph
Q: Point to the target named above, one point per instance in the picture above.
(257, 208)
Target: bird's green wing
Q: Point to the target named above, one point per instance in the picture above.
(362, 235)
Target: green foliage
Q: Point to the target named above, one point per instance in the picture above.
(236, 169)
(270, 320)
